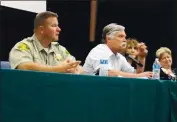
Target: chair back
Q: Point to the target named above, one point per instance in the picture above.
(5, 65)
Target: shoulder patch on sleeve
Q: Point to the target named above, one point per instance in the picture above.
(22, 46)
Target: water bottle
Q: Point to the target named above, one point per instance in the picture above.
(156, 69)
(103, 71)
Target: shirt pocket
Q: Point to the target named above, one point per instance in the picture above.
(38, 60)
(57, 59)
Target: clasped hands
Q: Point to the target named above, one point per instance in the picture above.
(70, 66)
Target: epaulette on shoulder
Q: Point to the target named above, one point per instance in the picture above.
(29, 39)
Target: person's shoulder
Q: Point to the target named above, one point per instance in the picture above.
(99, 48)
(98, 52)
(59, 47)
(25, 43)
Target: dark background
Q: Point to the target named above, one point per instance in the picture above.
(151, 21)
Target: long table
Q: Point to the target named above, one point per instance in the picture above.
(29, 96)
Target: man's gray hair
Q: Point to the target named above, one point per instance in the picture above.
(110, 29)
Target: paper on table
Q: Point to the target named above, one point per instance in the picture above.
(135, 77)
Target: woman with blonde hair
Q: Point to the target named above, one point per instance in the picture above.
(133, 48)
(165, 58)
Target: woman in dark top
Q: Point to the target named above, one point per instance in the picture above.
(165, 58)
(132, 49)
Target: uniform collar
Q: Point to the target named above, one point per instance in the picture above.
(40, 47)
(109, 52)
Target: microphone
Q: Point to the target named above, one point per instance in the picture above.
(133, 59)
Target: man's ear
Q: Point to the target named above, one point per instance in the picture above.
(108, 39)
(41, 29)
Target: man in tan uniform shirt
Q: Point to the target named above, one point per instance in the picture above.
(41, 52)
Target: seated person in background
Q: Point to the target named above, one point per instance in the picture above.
(165, 58)
(132, 49)
(114, 38)
(42, 52)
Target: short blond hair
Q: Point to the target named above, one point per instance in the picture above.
(132, 42)
(41, 17)
(161, 51)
